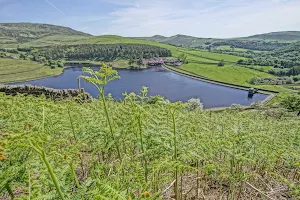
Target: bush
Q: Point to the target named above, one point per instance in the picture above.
(59, 64)
(292, 103)
(221, 63)
(271, 81)
(195, 104)
(296, 78)
(156, 100)
(254, 80)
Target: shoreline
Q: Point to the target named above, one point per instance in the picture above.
(271, 94)
(204, 79)
(169, 68)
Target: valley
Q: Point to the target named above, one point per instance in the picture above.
(158, 118)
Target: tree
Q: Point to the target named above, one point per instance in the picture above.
(130, 62)
(22, 56)
(139, 62)
(195, 104)
(60, 64)
(221, 63)
(240, 61)
(292, 103)
(183, 57)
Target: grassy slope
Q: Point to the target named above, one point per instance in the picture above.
(194, 56)
(210, 55)
(12, 70)
(31, 31)
(228, 73)
(278, 36)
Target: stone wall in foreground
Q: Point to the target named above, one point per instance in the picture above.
(54, 94)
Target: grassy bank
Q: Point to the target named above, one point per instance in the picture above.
(14, 70)
(118, 63)
(237, 75)
(228, 73)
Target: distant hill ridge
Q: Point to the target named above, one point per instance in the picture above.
(282, 35)
(269, 41)
(17, 33)
(23, 32)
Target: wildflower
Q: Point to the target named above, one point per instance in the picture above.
(146, 195)
(2, 157)
(27, 127)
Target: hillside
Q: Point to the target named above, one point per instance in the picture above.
(16, 70)
(271, 41)
(23, 32)
(282, 35)
(181, 40)
(204, 62)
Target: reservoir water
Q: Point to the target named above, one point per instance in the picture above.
(162, 82)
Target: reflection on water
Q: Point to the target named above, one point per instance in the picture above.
(160, 82)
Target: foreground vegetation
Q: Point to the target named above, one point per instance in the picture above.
(144, 148)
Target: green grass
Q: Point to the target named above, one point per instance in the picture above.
(213, 56)
(227, 47)
(15, 70)
(228, 73)
(118, 63)
(257, 67)
(238, 75)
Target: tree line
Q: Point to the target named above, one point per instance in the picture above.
(250, 44)
(285, 60)
(102, 52)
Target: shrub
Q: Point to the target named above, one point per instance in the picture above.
(221, 63)
(292, 103)
(195, 104)
(254, 80)
(59, 64)
(271, 81)
(296, 78)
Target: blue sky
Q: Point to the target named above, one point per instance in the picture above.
(200, 18)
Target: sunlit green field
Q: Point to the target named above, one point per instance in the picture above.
(227, 47)
(14, 70)
(228, 73)
(213, 56)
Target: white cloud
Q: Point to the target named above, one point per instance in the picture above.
(205, 18)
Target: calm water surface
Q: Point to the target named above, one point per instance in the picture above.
(160, 82)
